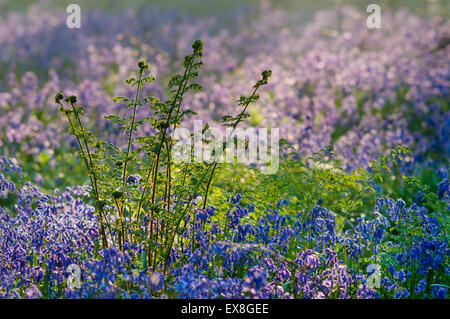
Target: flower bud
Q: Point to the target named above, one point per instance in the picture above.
(117, 194)
(72, 99)
(58, 97)
(266, 74)
(198, 45)
(142, 64)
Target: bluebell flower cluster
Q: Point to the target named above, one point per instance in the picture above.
(328, 88)
(228, 254)
(8, 167)
(316, 72)
(329, 262)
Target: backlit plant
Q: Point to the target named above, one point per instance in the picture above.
(346, 199)
(140, 195)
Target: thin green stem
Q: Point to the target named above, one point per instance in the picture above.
(214, 163)
(91, 176)
(133, 120)
(238, 120)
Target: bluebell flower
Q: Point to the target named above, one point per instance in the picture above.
(443, 188)
(421, 286)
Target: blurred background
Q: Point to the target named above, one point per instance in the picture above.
(335, 81)
(202, 7)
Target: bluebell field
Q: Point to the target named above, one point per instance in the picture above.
(358, 208)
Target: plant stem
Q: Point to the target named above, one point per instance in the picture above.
(214, 163)
(238, 120)
(90, 174)
(139, 84)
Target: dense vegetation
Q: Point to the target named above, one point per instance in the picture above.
(92, 204)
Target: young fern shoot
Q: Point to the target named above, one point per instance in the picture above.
(149, 211)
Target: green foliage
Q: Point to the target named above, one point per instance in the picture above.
(320, 179)
(152, 208)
